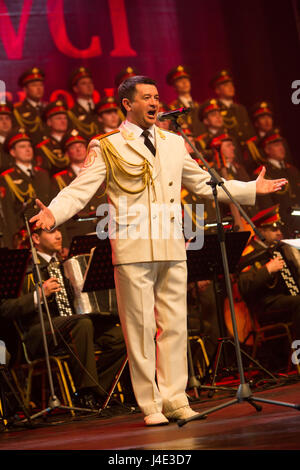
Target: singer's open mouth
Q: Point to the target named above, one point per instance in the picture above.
(151, 113)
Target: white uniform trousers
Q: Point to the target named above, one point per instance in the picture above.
(153, 313)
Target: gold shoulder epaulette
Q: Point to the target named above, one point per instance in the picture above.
(102, 136)
(171, 132)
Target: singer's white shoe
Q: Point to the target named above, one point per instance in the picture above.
(184, 412)
(156, 419)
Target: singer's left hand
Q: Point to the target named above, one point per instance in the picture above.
(264, 186)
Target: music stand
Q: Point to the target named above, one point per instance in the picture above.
(83, 244)
(244, 392)
(99, 275)
(13, 268)
(207, 264)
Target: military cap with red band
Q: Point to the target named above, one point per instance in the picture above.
(270, 138)
(78, 74)
(126, 73)
(260, 109)
(218, 139)
(31, 75)
(222, 77)
(207, 107)
(15, 136)
(73, 137)
(268, 217)
(178, 72)
(106, 104)
(6, 108)
(55, 107)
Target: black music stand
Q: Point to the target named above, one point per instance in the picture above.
(207, 264)
(99, 275)
(244, 392)
(83, 244)
(13, 268)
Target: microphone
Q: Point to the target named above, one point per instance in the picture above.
(172, 114)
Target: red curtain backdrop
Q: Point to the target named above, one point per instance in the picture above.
(257, 40)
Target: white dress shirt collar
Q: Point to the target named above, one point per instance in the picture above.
(137, 130)
(24, 168)
(46, 257)
(35, 104)
(85, 103)
(76, 168)
(276, 163)
(186, 101)
(227, 103)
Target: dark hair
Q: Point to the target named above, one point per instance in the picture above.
(127, 89)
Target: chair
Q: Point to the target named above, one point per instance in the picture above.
(263, 333)
(199, 353)
(25, 369)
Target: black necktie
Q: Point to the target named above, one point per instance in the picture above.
(148, 142)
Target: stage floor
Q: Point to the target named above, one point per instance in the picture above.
(237, 427)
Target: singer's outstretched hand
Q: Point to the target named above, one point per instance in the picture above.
(44, 219)
(264, 186)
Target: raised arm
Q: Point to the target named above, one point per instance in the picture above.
(74, 197)
(195, 179)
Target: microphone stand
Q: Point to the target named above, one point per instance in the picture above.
(244, 392)
(54, 402)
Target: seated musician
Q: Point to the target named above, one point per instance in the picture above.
(81, 332)
(261, 284)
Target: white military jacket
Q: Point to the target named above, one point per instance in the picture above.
(143, 190)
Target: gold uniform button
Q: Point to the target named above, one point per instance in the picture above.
(172, 200)
(171, 183)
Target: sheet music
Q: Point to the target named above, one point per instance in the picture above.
(295, 243)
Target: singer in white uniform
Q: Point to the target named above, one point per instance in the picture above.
(150, 269)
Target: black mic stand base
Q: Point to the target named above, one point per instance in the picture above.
(243, 393)
(54, 403)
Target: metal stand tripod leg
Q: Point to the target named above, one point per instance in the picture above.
(54, 402)
(5, 377)
(243, 393)
(222, 341)
(194, 382)
(117, 378)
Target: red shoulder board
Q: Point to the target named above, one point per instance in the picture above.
(44, 142)
(38, 168)
(258, 170)
(60, 173)
(10, 170)
(202, 136)
(252, 139)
